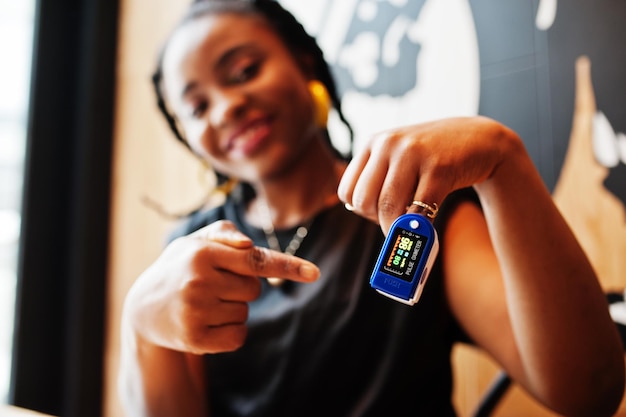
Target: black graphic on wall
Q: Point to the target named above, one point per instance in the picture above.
(396, 79)
(527, 74)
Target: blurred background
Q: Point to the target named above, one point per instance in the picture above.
(82, 146)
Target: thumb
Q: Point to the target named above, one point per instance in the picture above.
(223, 231)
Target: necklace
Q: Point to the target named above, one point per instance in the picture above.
(274, 244)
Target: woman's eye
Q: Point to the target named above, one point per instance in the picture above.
(198, 109)
(244, 73)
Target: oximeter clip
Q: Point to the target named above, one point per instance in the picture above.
(406, 259)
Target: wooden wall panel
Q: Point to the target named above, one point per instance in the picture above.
(147, 162)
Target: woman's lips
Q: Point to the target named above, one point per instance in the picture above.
(246, 140)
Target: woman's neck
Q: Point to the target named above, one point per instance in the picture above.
(295, 196)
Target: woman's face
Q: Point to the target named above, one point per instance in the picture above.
(239, 95)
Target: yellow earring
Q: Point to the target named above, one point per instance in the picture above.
(208, 178)
(321, 102)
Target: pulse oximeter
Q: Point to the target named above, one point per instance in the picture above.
(406, 258)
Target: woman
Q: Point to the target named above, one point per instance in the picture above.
(205, 334)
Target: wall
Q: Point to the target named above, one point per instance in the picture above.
(147, 163)
(401, 62)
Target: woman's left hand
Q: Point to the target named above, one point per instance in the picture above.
(422, 162)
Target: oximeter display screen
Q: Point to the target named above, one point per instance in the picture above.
(403, 254)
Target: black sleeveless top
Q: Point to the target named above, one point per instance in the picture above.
(335, 347)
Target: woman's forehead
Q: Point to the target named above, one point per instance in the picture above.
(213, 34)
(203, 40)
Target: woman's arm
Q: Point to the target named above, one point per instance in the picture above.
(569, 353)
(156, 381)
(516, 277)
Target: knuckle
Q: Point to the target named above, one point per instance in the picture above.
(201, 256)
(364, 203)
(440, 165)
(212, 231)
(237, 337)
(189, 291)
(189, 286)
(291, 265)
(258, 258)
(186, 304)
(191, 338)
(225, 339)
(359, 200)
(241, 315)
(218, 226)
(388, 207)
(386, 139)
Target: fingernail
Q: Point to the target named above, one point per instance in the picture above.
(309, 272)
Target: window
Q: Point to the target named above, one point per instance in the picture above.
(16, 32)
(56, 363)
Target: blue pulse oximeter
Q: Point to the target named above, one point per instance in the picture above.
(406, 258)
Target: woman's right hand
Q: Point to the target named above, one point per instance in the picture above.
(194, 297)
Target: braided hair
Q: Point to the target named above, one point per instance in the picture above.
(292, 33)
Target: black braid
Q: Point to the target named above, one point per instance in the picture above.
(171, 120)
(299, 41)
(289, 30)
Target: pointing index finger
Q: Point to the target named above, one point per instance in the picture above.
(268, 263)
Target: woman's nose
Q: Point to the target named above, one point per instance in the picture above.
(226, 106)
